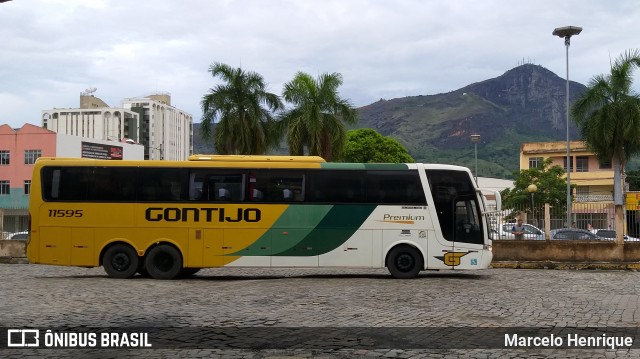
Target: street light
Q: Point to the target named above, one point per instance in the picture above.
(532, 189)
(475, 139)
(566, 33)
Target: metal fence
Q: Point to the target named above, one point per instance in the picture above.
(13, 220)
(585, 215)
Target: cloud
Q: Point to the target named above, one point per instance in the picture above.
(54, 49)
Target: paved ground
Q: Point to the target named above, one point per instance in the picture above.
(331, 313)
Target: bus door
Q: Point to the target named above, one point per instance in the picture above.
(468, 234)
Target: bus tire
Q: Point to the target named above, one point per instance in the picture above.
(120, 261)
(163, 262)
(404, 262)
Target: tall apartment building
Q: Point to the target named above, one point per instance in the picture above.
(165, 131)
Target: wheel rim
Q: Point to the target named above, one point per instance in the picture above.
(405, 262)
(121, 262)
(163, 261)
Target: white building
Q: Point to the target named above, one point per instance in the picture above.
(164, 131)
(167, 132)
(493, 184)
(94, 119)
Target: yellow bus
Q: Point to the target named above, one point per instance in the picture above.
(167, 219)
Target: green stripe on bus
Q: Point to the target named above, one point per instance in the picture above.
(336, 227)
(291, 228)
(364, 166)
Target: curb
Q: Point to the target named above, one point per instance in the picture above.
(633, 266)
(14, 260)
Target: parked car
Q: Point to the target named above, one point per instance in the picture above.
(610, 235)
(504, 232)
(572, 234)
(19, 236)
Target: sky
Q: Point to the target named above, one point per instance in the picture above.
(52, 50)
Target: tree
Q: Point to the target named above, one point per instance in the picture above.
(317, 118)
(608, 115)
(243, 108)
(551, 183)
(633, 178)
(366, 145)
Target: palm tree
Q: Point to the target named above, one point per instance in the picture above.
(243, 108)
(608, 115)
(317, 119)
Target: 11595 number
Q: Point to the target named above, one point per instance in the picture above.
(65, 213)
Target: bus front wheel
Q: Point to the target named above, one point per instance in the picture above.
(163, 262)
(404, 262)
(120, 261)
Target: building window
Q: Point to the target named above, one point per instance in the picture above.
(564, 165)
(582, 164)
(27, 186)
(4, 188)
(535, 162)
(5, 158)
(30, 156)
(604, 165)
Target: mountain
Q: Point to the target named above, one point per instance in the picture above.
(201, 146)
(525, 104)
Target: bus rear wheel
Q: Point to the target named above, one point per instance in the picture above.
(120, 261)
(404, 262)
(163, 262)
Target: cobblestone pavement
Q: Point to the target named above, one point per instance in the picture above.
(50, 297)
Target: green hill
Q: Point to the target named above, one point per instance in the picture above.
(525, 104)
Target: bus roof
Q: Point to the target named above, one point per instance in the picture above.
(246, 161)
(251, 158)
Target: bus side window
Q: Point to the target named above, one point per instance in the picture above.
(337, 186)
(196, 184)
(128, 191)
(287, 187)
(216, 185)
(257, 195)
(276, 185)
(223, 194)
(394, 187)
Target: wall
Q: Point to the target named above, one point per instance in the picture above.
(565, 251)
(12, 250)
